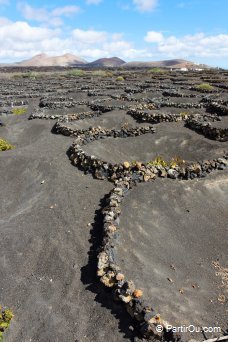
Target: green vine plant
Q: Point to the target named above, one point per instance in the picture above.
(174, 162)
(6, 316)
(19, 111)
(205, 86)
(158, 161)
(5, 145)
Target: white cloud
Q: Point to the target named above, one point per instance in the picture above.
(117, 36)
(44, 16)
(92, 44)
(27, 33)
(32, 40)
(198, 45)
(93, 2)
(31, 13)
(153, 37)
(90, 36)
(145, 5)
(66, 10)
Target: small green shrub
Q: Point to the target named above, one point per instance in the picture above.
(76, 73)
(102, 73)
(156, 71)
(120, 79)
(174, 162)
(6, 316)
(19, 111)
(205, 86)
(5, 146)
(30, 74)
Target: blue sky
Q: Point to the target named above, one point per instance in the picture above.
(131, 29)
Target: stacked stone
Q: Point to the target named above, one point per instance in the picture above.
(64, 118)
(146, 172)
(14, 103)
(100, 100)
(5, 111)
(101, 108)
(139, 172)
(93, 93)
(143, 106)
(94, 133)
(144, 86)
(203, 90)
(160, 102)
(222, 86)
(175, 93)
(206, 128)
(99, 168)
(155, 117)
(180, 105)
(130, 90)
(59, 102)
(123, 97)
(220, 109)
(110, 273)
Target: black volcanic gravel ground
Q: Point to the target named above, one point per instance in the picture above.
(170, 139)
(172, 233)
(50, 220)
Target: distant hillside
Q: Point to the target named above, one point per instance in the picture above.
(107, 62)
(70, 60)
(170, 63)
(45, 60)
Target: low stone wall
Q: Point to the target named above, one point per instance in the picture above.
(155, 117)
(161, 102)
(94, 133)
(13, 103)
(202, 90)
(217, 108)
(205, 128)
(144, 116)
(175, 93)
(109, 271)
(137, 170)
(101, 169)
(106, 109)
(64, 118)
(59, 102)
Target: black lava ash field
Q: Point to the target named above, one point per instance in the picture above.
(114, 204)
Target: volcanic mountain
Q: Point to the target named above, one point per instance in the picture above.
(45, 60)
(107, 62)
(170, 63)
